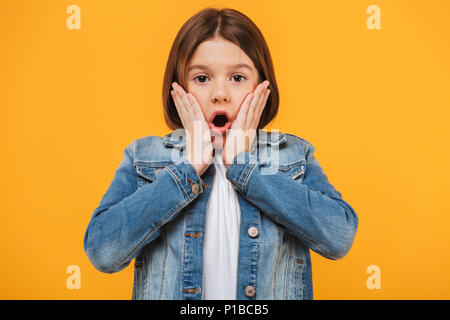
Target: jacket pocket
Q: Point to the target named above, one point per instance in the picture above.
(295, 271)
(146, 171)
(294, 282)
(295, 170)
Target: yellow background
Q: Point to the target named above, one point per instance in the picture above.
(374, 103)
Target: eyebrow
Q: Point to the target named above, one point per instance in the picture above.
(205, 67)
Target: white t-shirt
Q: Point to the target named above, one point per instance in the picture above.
(221, 246)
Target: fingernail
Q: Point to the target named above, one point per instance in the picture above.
(173, 85)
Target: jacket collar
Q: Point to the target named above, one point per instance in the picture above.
(178, 140)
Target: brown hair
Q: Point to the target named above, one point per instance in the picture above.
(231, 25)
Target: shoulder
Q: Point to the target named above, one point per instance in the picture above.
(144, 142)
(153, 146)
(285, 147)
(298, 145)
(148, 148)
(298, 140)
(147, 141)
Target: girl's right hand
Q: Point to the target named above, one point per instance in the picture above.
(199, 148)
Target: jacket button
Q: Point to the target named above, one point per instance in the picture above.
(253, 232)
(195, 188)
(250, 291)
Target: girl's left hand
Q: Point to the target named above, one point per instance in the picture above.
(245, 124)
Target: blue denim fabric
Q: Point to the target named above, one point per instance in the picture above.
(154, 211)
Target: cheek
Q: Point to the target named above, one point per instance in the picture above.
(244, 93)
(250, 87)
(201, 99)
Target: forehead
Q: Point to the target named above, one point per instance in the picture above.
(219, 53)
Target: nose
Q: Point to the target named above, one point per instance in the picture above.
(220, 94)
(217, 99)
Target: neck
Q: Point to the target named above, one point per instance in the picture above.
(217, 142)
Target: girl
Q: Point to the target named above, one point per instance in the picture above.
(219, 208)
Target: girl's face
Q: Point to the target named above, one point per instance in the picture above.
(220, 75)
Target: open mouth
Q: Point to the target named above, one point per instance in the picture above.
(220, 121)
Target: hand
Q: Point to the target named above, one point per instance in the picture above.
(245, 124)
(199, 148)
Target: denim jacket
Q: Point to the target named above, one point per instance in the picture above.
(154, 212)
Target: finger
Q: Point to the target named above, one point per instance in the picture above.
(185, 103)
(264, 97)
(262, 107)
(240, 118)
(179, 93)
(175, 100)
(188, 104)
(253, 102)
(255, 106)
(195, 106)
(246, 104)
(180, 88)
(178, 103)
(182, 94)
(198, 116)
(183, 100)
(258, 92)
(180, 107)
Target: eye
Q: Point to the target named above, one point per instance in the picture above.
(200, 76)
(239, 77)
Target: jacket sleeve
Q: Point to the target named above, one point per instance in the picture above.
(129, 217)
(312, 210)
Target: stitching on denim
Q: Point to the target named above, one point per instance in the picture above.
(149, 279)
(141, 174)
(306, 158)
(303, 280)
(183, 261)
(298, 278)
(255, 265)
(245, 185)
(277, 261)
(287, 273)
(152, 164)
(133, 296)
(179, 182)
(306, 149)
(287, 166)
(243, 179)
(163, 275)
